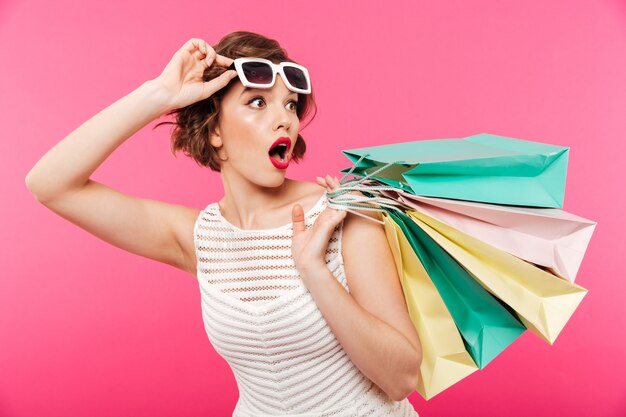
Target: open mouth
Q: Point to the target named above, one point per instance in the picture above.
(279, 150)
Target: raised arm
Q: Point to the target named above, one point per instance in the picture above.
(60, 180)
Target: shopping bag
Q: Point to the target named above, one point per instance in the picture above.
(542, 301)
(551, 238)
(484, 168)
(444, 358)
(487, 327)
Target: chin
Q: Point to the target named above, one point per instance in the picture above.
(282, 178)
(276, 180)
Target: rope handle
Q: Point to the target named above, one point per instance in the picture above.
(371, 198)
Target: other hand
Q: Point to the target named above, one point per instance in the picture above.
(309, 246)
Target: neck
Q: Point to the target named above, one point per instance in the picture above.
(245, 202)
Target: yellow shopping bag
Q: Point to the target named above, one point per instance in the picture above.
(445, 360)
(542, 301)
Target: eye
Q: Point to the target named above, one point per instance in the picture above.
(255, 99)
(292, 103)
(295, 104)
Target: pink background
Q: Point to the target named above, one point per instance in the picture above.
(90, 330)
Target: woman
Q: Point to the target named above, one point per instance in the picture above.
(311, 320)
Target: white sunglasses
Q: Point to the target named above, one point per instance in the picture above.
(261, 73)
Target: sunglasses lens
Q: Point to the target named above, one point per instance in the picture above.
(257, 72)
(296, 77)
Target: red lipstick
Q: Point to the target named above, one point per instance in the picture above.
(279, 152)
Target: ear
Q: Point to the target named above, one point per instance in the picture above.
(215, 139)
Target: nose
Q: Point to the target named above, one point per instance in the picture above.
(282, 117)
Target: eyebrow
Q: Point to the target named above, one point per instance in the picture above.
(246, 89)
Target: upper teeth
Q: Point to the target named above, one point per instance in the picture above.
(283, 147)
(279, 151)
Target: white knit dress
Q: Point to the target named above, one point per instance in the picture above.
(262, 320)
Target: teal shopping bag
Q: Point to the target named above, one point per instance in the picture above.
(485, 168)
(486, 326)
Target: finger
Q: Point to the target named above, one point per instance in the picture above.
(321, 181)
(209, 57)
(196, 47)
(331, 182)
(328, 185)
(297, 218)
(198, 55)
(327, 221)
(201, 49)
(193, 44)
(211, 86)
(223, 61)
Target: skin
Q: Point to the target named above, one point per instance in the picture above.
(371, 322)
(258, 195)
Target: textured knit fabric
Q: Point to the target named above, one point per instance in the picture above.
(262, 320)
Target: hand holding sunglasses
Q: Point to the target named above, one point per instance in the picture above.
(181, 84)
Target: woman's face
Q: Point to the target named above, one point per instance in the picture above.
(251, 121)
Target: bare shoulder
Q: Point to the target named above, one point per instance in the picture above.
(364, 249)
(371, 272)
(308, 193)
(185, 219)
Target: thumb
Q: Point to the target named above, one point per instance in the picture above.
(297, 218)
(211, 86)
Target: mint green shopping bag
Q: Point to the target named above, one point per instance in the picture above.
(484, 168)
(485, 325)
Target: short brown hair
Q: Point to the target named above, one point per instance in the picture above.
(195, 122)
